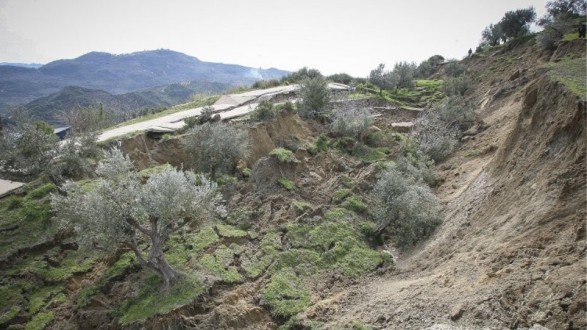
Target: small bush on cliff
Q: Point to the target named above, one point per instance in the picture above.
(315, 97)
(215, 147)
(264, 111)
(406, 209)
(438, 130)
(351, 122)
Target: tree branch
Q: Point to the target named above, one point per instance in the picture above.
(134, 247)
(136, 225)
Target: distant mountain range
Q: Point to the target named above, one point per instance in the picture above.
(103, 76)
(23, 65)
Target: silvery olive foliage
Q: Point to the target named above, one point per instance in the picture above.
(75, 158)
(216, 147)
(27, 149)
(120, 209)
(406, 207)
(439, 129)
(436, 138)
(351, 122)
(315, 97)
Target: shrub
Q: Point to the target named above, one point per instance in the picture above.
(283, 155)
(215, 147)
(554, 32)
(435, 138)
(42, 191)
(383, 79)
(405, 72)
(457, 86)
(286, 183)
(454, 69)
(407, 209)
(287, 106)
(263, 111)
(351, 122)
(301, 75)
(315, 97)
(437, 131)
(76, 157)
(262, 84)
(28, 149)
(342, 78)
(424, 69)
(192, 121)
(456, 113)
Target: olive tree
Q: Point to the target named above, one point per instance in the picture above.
(561, 18)
(516, 23)
(315, 97)
(351, 122)
(76, 158)
(405, 72)
(383, 79)
(406, 207)
(120, 209)
(215, 147)
(27, 149)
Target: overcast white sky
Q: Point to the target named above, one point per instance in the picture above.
(333, 36)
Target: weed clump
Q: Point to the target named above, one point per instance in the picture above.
(283, 155)
(285, 294)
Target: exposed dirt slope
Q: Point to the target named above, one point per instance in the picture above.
(511, 252)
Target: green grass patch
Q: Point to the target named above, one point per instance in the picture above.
(328, 246)
(286, 183)
(39, 299)
(435, 84)
(42, 191)
(148, 172)
(340, 195)
(26, 222)
(368, 154)
(301, 206)
(9, 314)
(67, 266)
(283, 155)
(355, 204)
(40, 321)
(571, 36)
(221, 264)
(153, 300)
(285, 294)
(572, 74)
(256, 261)
(338, 214)
(183, 248)
(230, 231)
(255, 265)
(304, 261)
